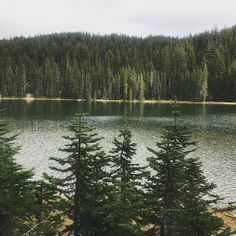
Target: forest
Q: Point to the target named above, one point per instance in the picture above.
(83, 66)
(94, 193)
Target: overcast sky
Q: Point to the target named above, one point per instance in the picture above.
(131, 17)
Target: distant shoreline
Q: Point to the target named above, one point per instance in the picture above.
(30, 99)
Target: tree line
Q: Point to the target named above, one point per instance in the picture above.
(84, 66)
(93, 193)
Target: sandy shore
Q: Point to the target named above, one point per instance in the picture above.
(121, 101)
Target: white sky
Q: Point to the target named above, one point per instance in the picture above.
(131, 17)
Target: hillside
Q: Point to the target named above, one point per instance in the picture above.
(80, 65)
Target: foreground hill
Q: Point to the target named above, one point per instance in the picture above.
(80, 65)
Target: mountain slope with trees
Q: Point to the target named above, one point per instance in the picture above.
(85, 66)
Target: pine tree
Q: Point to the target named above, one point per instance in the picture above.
(16, 188)
(126, 178)
(204, 83)
(141, 87)
(124, 84)
(47, 78)
(231, 88)
(177, 188)
(164, 184)
(21, 81)
(10, 81)
(195, 218)
(85, 180)
(39, 84)
(55, 82)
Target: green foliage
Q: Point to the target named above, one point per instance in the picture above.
(125, 230)
(178, 193)
(16, 188)
(204, 83)
(84, 66)
(101, 195)
(198, 197)
(83, 179)
(127, 196)
(45, 220)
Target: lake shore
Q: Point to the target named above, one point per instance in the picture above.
(30, 99)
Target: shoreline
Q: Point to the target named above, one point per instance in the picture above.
(31, 99)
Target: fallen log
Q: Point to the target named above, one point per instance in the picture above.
(231, 215)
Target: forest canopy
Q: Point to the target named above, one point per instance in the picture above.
(84, 66)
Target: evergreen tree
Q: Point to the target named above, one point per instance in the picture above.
(39, 84)
(124, 84)
(195, 218)
(126, 178)
(204, 83)
(55, 89)
(11, 88)
(84, 180)
(141, 87)
(231, 88)
(16, 188)
(177, 190)
(21, 81)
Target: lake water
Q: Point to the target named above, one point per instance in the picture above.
(42, 123)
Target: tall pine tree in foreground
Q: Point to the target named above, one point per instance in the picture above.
(178, 193)
(195, 218)
(16, 187)
(126, 178)
(83, 180)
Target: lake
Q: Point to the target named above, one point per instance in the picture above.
(43, 123)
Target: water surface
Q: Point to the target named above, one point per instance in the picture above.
(42, 123)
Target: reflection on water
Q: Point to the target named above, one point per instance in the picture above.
(58, 109)
(42, 123)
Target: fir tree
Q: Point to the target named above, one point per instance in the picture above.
(204, 83)
(85, 180)
(195, 218)
(21, 81)
(141, 87)
(177, 188)
(16, 187)
(126, 176)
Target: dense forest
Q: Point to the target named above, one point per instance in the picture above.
(85, 66)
